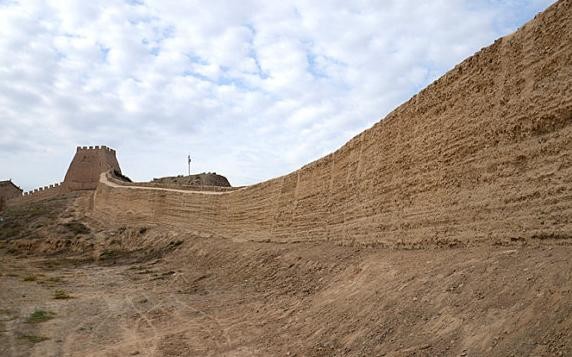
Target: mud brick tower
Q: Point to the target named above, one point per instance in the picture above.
(8, 190)
(87, 165)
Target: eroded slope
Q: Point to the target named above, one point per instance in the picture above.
(151, 291)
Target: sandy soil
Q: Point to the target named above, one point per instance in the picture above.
(152, 291)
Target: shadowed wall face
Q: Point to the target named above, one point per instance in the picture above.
(86, 166)
(8, 191)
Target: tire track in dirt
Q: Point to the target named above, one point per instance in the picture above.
(110, 303)
(133, 335)
(200, 311)
(144, 317)
(213, 327)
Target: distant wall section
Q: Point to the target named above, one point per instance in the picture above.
(83, 174)
(37, 194)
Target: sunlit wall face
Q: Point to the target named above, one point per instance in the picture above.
(251, 89)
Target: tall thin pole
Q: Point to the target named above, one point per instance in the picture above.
(189, 162)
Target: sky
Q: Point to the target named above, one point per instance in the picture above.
(250, 89)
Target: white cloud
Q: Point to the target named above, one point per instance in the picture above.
(252, 89)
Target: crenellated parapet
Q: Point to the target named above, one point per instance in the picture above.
(43, 189)
(37, 194)
(95, 148)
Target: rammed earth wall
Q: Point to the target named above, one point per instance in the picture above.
(484, 153)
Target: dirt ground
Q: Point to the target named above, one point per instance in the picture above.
(70, 286)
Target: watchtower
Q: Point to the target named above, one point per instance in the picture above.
(8, 190)
(87, 165)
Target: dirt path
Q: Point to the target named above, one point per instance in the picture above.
(113, 311)
(244, 299)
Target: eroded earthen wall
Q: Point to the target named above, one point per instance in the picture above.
(8, 191)
(484, 153)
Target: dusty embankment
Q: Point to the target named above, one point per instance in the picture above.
(142, 290)
(202, 179)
